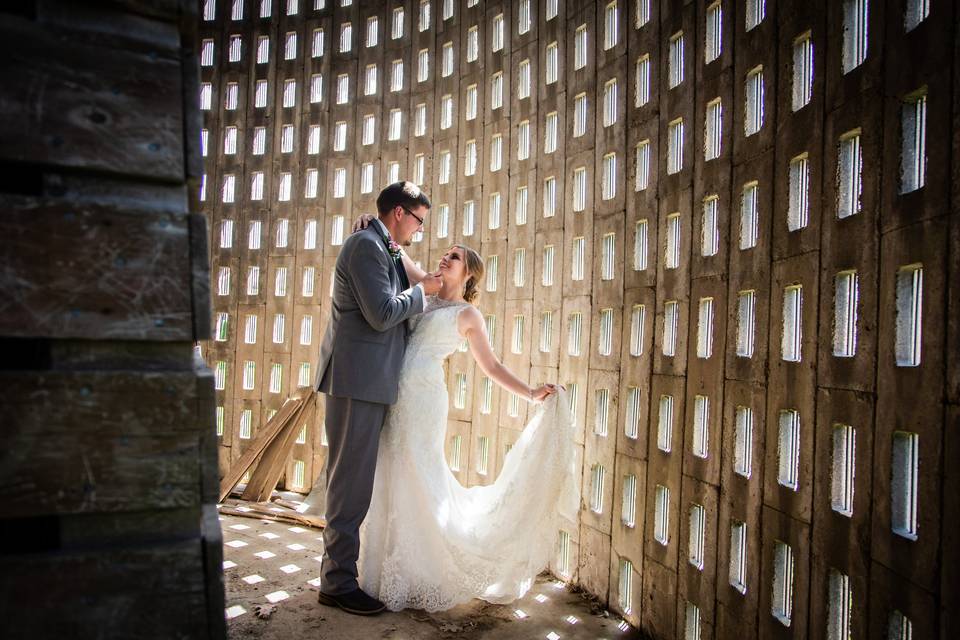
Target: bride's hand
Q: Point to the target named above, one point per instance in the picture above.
(543, 391)
(362, 222)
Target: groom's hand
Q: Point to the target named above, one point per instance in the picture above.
(432, 283)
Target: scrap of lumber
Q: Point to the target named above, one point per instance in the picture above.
(265, 436)
(260, 512)
(273, 461)
(284, 503)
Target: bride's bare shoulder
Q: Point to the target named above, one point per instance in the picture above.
(469, 317)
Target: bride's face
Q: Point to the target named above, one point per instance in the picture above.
(453, 266)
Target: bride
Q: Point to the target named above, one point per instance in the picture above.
(428, 542)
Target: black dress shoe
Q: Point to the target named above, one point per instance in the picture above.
(356, 602)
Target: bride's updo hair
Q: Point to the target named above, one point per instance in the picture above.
(475, 268)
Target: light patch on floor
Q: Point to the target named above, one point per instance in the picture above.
(276, 596)
(234, 611)
(265, 555)
(253, 579)
(289, 568)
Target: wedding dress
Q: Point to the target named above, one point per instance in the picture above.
(427, 541)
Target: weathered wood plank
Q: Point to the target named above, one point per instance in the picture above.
(167, 9)
(48, 405)
(273, 461)
(190, 70)
(266, 509)
(144, 26)
(117, 616)
(77, 474)
(212, 536)
(89, 107)
(137, 528)
(90, 271)
(209, 442)
(78, 442)
(164, 566)
(72, 355)
(115, 191)
(200, 278)
(264, 437)
(152, 592)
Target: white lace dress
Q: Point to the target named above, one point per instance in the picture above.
(430, 543)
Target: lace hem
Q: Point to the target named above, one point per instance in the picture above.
(433, 544)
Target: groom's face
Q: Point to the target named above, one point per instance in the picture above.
(410, 223)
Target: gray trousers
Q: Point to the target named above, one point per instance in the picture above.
(353, 437)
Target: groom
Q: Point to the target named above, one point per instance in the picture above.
(359, 366)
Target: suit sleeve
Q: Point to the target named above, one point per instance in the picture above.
(381, 307)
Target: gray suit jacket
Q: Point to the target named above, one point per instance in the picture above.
(366, 337)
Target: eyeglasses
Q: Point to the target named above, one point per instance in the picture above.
(418, 218)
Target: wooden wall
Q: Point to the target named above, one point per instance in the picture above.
(108, 467)
(621, 295)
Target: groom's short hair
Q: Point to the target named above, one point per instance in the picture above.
(403, 194)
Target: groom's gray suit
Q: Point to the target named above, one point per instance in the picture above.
(360, 360)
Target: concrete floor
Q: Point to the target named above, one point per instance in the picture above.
(277, 566)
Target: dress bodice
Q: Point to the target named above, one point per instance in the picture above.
(435, 335)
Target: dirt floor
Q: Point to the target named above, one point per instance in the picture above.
(272, 571)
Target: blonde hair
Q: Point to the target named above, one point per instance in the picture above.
(475, 267)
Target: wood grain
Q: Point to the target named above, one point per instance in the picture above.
(77, 474)
(89, 441)
(150, 592)
(88, 107)
(95, 404)
(91, 271)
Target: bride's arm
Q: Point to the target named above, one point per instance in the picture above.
(471, 326)
(414, 273)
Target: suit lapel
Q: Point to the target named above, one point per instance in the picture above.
(399, 277)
